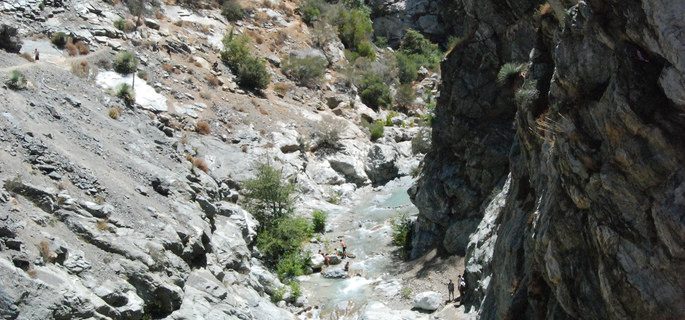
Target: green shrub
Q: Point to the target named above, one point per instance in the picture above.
(59, 39)
(354, 28)
(268, 196)
(277, 295)
(421, 142)
(365, 49)
(126, 93)
(125, 63)
(292, 265)
(282, 238)
(311, 10)
(319, 221)
(374, 92)
(376, 129)
(295, 289)
(405, 95)
(17, 80)
(252, 74)
(401, 232)
(407, 68)
(509, 71)
(232, 11)
(251, 71)
(306, 71)
(413, 42)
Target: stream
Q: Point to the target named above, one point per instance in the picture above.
(366, 227)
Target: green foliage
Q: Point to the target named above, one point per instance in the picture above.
(354, 28)
(416, 51)
(406, 293)
(509, 71)
(295, 289)
(365, 49)
(376, 129)
(250, 71)
(374, 92)
(120, 24)
(59, 39)
(278, 294)
(125, 62)
(407, 68)
(269, 197)
(319, 221)
(421, 142)
(405, 95)
(17, 80)
(401, 232)
(311, 10)
(292, 265)
(388, 118)
(281, 241)
(335, 198)
(381, 42)
(126, 93)
(252, 74)
(232, 11)
(306, 71)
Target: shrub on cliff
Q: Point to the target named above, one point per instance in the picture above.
(268, 195)
(125, 63)
(401, 232)
(250, 70)
(319, 221)
(281, 244)
(232, 11)
(306, 71)
(16, 81)
(374, 92)
(59, 39)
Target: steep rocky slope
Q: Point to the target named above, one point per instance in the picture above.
(563, 182)
(116, 212)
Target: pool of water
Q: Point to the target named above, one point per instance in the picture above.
(366, 227)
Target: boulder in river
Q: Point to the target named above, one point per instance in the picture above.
(428, 300)
(316, 261)
(337, 273)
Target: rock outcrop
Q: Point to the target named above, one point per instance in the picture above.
(567, 171)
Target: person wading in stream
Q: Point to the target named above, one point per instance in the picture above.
(450, 290)
(344, 248)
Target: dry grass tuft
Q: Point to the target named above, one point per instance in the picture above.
(545, 9)
(200, 164)
(82, 47)
(114, 112)
(261, 17)
(45, 252)
(71, 48)
(32, 272)
(159, 15)
(213, 80)
(168, 67)
(282, 88)
(28, 56)
(203, 127)
(81, 68)
(102, 225)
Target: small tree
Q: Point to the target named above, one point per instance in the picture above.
(17, 80)
(269, 196)
(374, 92)
(232, 11)
(306, 71)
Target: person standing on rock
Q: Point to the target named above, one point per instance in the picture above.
(344, 248)
(36, 55)
(462, 288)
(450, 290)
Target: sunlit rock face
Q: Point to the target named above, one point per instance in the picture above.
(588, 122)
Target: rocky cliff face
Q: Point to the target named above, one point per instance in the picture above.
(587, 122)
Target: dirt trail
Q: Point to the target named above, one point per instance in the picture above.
(54, 60)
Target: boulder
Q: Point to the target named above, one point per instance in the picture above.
(334, 259)
(335, 273)
(381, 166)
(228, 245)
(316, 261)
(427, 300)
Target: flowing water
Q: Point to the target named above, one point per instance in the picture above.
(366, 228)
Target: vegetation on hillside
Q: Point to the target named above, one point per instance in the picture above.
(250, 70)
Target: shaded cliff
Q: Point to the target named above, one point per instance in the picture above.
(587, 120)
